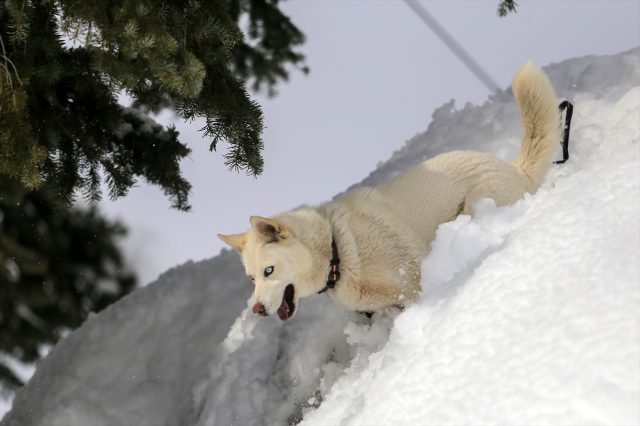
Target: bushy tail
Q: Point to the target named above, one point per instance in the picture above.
(540, 120)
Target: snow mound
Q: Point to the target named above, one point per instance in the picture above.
(136, 362)
(530, 314)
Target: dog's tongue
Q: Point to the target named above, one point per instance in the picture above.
(283, 310)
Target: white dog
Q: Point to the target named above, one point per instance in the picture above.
(365, 248)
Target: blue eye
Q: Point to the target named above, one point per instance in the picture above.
(268, 271)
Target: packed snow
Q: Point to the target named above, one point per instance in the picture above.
(530, 314)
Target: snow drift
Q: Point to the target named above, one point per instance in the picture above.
(529, 314)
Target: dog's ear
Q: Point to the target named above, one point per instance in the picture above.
(269, 230)
(237, 241)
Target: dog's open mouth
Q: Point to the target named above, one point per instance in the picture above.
(287, 307)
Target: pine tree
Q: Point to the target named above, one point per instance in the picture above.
(61, 124)
(63, 65)
(56, 266)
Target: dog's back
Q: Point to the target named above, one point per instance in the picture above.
(441, 188)
(391, 227)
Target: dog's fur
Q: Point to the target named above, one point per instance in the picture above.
(383, 233)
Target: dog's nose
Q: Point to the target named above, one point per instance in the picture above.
(259, 309)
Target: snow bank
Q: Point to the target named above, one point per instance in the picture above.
(530, 313)
(137, 362)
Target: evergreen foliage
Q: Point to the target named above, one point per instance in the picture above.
(63, 65)
(61, 124)
(272, 35)
(56, 266)
(506, 6)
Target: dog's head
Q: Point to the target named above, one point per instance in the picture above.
(282, 264)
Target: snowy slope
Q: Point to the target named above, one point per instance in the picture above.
(530, 313)
(136, 362)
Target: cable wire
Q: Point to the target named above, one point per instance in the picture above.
(453, 45)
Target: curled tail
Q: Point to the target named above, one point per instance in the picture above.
(540, 120)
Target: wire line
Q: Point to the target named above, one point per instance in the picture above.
(453, 45)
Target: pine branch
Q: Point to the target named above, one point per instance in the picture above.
(192, 57)
(506, 6)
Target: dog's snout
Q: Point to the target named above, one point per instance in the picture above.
(259, 309)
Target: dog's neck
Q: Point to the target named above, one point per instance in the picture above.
(315, 232)
(334, 267)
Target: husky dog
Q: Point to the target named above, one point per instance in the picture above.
(364, 249)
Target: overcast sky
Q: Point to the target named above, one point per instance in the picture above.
(377, 74)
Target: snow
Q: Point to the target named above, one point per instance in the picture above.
(137, 361)
(530, 314)
(22, 371)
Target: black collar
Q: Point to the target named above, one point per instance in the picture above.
(334, 268)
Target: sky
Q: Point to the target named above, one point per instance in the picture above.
(377, 74)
